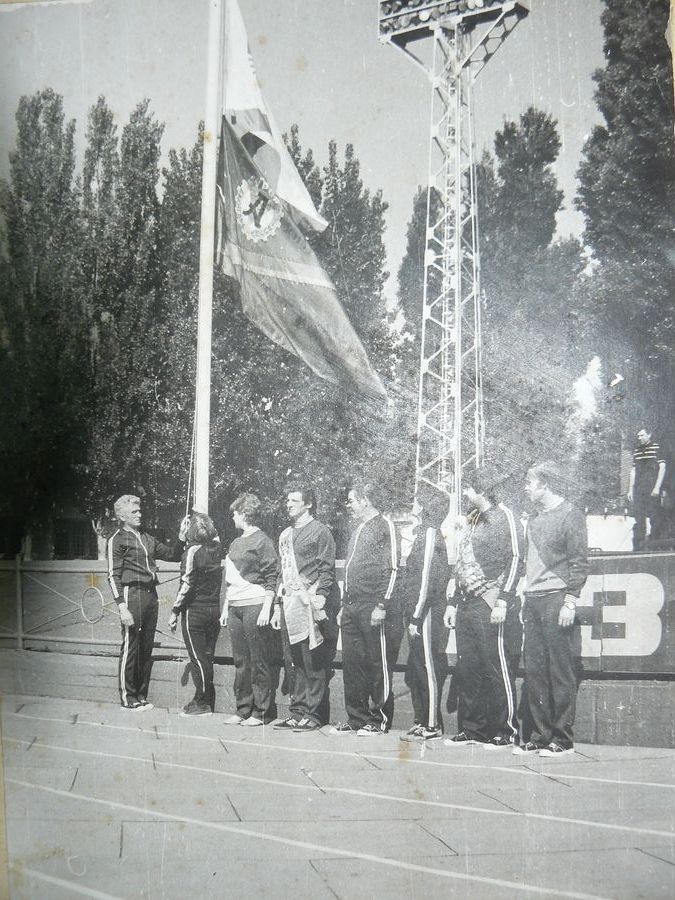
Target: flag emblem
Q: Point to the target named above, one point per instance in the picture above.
(258, 209)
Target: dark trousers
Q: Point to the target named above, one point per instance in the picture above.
(201, 627)
(427, 668)
(368, 658)
(135, 663)
(550, 679)
(311, 676)
(485, 672)
(646, 507)
(256, 669)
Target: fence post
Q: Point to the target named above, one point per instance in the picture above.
(19, 604)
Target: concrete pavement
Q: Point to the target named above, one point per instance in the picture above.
(102, 802)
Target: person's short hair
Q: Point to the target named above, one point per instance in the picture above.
(366, 490)
(435, 504)
(248, 506)
(201, 529)
(124, 503)
(487, 481)
(549, 474)
(646, 428)
(308, 495)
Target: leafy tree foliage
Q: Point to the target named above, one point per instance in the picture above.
(627, 196)
(43, 350)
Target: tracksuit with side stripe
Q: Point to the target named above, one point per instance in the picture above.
(132, 575)
(369, 652)
(198, 600)
(488, 569)
(427, 574)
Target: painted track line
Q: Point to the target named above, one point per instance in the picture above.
(354, 792)
(73, 887)
(517, 887)
(546, 769)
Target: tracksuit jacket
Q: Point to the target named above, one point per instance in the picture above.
(371, 567)
(131, 560)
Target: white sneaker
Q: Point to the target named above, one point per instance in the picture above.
(233, 720)
(251, 722)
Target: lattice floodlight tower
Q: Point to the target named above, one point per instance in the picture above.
(453, 42)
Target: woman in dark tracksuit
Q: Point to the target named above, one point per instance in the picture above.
(198, 600)
(427, 574)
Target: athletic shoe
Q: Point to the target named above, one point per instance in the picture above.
(196, 710)
(429, 734)
(307, 725)
(145, 702)
(527, 747)
(413, 735)
(555, 749)
(235, 719)
(252, 722)
(461, 740)
(288, 724)
(135, 704)
(342, 728)
(368, 730)
(498, 741)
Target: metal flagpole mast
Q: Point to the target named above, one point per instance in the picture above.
(462, 35)
(210, 141)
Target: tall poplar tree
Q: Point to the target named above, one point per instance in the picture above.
(44, 327)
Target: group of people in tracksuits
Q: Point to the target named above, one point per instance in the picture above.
(390, 585)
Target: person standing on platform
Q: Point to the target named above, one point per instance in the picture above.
(306, 609)
(198, 603)
(251, 574)
(644, 487)
(132, 575)
(485, 612)
(556, 568)
(426, 579)
(370, 620)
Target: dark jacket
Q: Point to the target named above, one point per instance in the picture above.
(427, 574)
(201, 576)
(496, 541)
(371, 564)
(131, 559)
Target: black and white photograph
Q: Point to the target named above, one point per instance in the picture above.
(337, 449)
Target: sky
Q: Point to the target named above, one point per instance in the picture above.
(320, 65)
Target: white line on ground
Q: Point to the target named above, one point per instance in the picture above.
(354, 792)
(517, 886)
(546, 768)
(23, 872)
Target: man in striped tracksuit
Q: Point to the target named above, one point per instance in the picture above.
(132, 574)
(426, 579)
(485, 610)
(371, 621)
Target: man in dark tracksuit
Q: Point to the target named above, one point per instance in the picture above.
(132, 574)
(371, 622)
(488, 629)
(198, 599)
(426, 579)
(556, 571)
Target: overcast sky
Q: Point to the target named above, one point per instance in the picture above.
(320, 64)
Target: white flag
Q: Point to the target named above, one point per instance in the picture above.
(253, 124)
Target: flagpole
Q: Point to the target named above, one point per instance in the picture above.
(210, 141)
